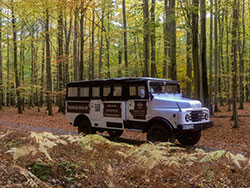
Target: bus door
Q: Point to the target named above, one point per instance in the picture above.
(113, 107)
(137, 103)
(95, 107)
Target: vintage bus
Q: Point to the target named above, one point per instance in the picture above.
(150, 105)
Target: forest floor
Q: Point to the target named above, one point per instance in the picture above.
(38, 150)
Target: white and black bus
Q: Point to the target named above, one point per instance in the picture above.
(150, 105)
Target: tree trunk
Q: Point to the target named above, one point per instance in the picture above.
(67, 33)
(166, 38)
(60, 61)
(93, 48)
(189, 66)
(1, 63)
(15, 59)
(204, 53)
(48, 64)
(146, 36)
(195, 53)
(107, 47)
(228, 67)
(42, 74)
(125, 36)
(235, 25)
(172, 25)
(152, 24)
(242, 66)
(81, 63)
(75, 45)
(216, 108)
(211, 59)
(101, 47)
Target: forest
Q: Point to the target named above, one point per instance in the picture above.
(204, 44)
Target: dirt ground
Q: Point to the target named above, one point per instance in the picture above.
(103, 168)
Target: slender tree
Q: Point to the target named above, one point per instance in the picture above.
(125, 36)
(81, 63)
(235, 25)
(172, 26)
(75, 45)
(195, 53)
(146, 37)
(1, 63)
(216, 108)
(153, 41)
(211, 58)
(14, 31)
(204, 53)
(93, 48)
(48, 63)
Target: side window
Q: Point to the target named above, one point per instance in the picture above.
(132, 91)
(141, 91)
(117, 91)
(106, 91)
(72, 91)
(84, 92)
(95, 91)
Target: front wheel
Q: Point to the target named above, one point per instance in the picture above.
(158, 133)
(85, 128)
(115, 133)
(189, 138)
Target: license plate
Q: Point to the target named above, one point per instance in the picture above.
(187, 127)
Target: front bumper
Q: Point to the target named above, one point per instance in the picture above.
(194, 127)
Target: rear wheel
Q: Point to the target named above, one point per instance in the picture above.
(85, 128)
(158, 133)
(189, 138)
(115, 133)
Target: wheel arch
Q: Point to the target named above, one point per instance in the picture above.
(79, 118)
(162, 121)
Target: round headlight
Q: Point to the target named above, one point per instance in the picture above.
(187, 117)
(206, 116)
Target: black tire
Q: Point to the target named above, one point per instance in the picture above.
(159, 133)
(115, 133)
(189, 138)
(85, 128)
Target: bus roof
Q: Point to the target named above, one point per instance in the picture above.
(123, 79)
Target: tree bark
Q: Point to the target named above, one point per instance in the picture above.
(93, 48)
(60, 61)
(48, 64)
(235, 25)
(211, 59)
(216, 108)
(172, 25)
(1, 63)
(195, 53)
(101, 46)
(15, 59)
(75, 46)
(81, 63)
(153, 63)
(189, 66)
(204, 53)
(166, 37)
(242, 66)
(146, 36)
(125, 36)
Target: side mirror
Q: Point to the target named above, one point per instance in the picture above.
(142, 93)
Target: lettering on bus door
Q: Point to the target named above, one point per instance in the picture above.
(113, 106)
(137, 105)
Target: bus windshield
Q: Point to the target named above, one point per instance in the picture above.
(164, 87)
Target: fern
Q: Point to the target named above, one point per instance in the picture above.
(213, 156)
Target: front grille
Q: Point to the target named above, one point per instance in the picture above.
(197, 116)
